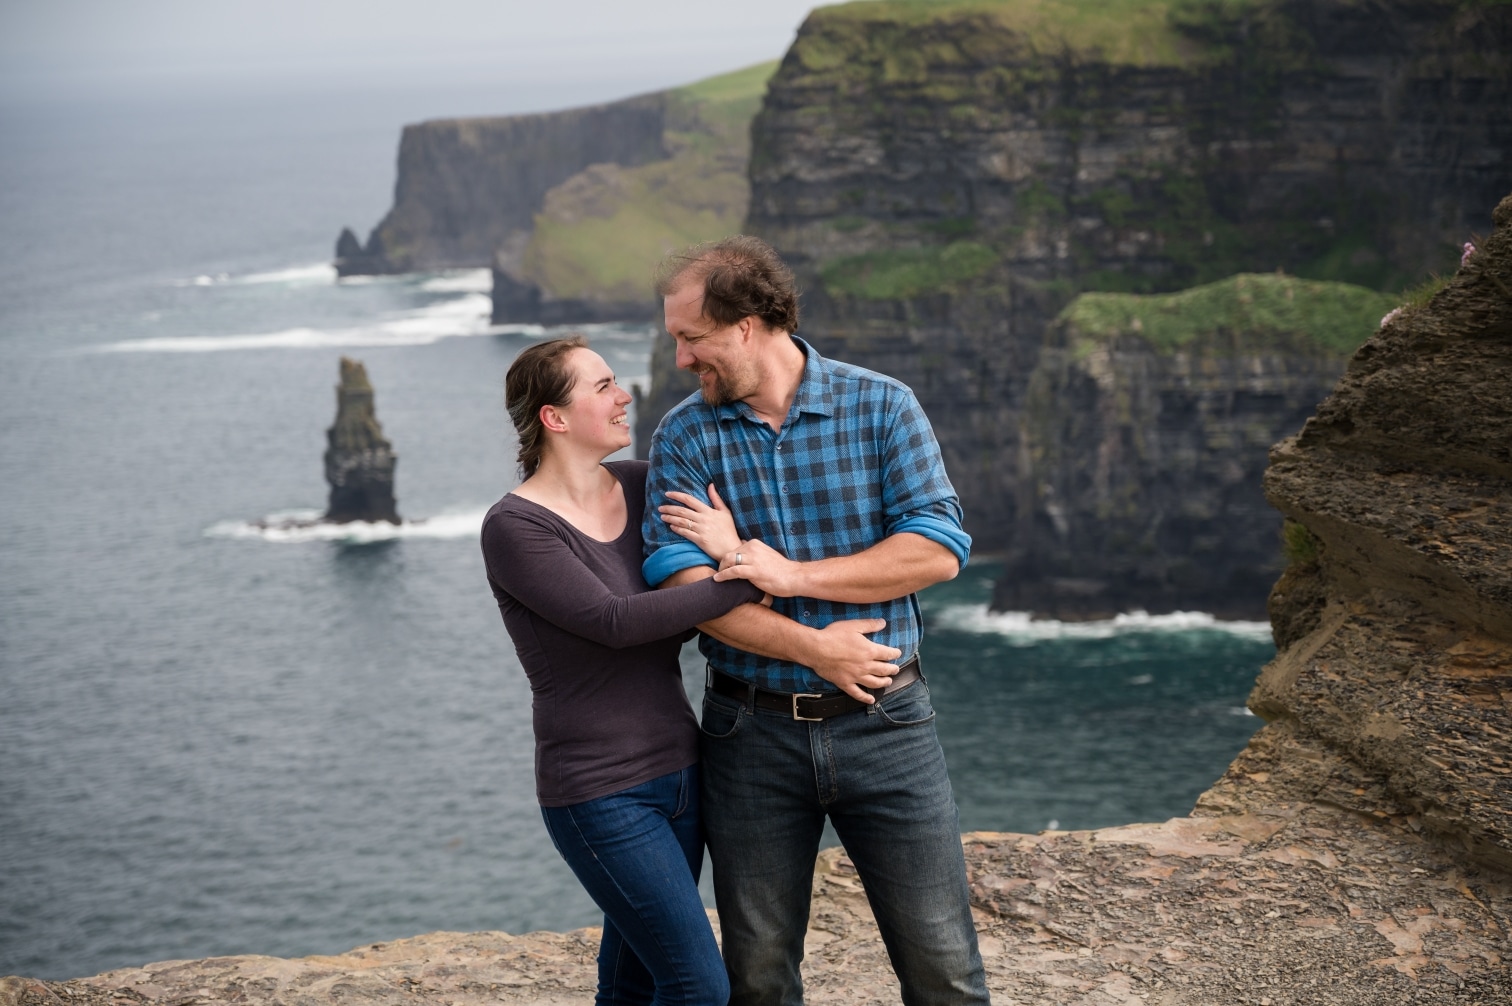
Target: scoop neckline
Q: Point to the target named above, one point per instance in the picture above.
(579, 531)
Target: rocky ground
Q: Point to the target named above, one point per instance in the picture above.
(1296, 904)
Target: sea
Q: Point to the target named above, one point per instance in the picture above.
(217, 739)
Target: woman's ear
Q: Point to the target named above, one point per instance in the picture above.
(552, 419)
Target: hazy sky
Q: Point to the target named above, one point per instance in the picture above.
(566, 51)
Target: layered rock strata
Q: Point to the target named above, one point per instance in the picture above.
(1392, 691)
(359, 461)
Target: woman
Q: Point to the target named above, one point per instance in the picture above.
(616, 742)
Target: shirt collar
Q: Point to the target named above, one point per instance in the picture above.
(815, 396)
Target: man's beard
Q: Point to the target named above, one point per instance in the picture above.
(727, 391)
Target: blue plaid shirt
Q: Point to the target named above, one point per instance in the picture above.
(855, 462)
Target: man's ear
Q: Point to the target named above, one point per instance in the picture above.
(552, 419)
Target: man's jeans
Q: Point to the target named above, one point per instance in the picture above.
(639, 852)
(879, 774)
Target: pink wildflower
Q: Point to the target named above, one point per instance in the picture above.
(1390, 316)
(1465, 257)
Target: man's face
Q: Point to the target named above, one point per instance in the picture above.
(723, 358)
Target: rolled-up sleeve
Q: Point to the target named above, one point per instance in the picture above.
(917, 495)
(677, 464)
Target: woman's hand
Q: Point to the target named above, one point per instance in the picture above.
(711, 528)
(764, 566)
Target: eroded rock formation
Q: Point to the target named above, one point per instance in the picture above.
(1392, 693)
(359, 461)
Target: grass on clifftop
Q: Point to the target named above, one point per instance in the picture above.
(1127, 32)
(602, 231)
(898, 273)
(1259, 308)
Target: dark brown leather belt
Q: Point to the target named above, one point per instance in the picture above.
(806, 705)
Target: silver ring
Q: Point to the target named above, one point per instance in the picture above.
(739, 558)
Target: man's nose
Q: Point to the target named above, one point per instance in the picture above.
(684, 358)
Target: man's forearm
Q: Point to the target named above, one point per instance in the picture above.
(895, 567)
(754, 628)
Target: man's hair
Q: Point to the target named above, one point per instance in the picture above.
(538, 377)
(742, 276)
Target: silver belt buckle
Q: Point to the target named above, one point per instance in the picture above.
(805, 695)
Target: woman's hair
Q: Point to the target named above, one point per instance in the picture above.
(741, 276)
(538, 377)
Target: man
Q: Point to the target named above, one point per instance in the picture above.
(836, 470)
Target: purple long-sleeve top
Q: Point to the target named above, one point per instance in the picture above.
(598, 645)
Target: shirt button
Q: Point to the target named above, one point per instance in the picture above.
(808, 614)
(784, 488)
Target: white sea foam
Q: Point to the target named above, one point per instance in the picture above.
(318, 272)
(455, 317)
(463, 281)
(1020, 629)
(293, 527)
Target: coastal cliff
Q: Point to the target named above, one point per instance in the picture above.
(570, 209)
(946, 178)
(1145, 430)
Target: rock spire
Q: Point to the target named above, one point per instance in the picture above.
(359, 461)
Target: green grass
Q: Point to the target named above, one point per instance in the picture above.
(1250, 310)
(1125, 32)
(601, 233)
(728, 88)
(907, 272)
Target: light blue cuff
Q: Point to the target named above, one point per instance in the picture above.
(672, 558)
(942, 531)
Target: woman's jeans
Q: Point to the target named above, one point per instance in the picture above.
(638, 852)
(879, 775)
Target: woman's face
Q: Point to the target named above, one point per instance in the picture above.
(595, 415)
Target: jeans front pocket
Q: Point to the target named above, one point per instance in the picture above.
(721, 717)
(908, 707)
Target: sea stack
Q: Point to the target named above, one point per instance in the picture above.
(359, 461)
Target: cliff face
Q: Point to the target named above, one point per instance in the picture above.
(571, 209)
(359, 461)
(468, 187)
(1145, 430)
(946, 177)
(1392, 693)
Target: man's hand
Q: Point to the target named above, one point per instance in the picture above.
(846, 658)
(895, 567)
(764, 566)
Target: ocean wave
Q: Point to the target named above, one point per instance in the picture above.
(461, 281)
(294, 527)
(318, 272)
(456, 317)
(1018, 627)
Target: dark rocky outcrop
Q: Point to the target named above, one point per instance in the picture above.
(947, 177)
(359, 461)
(1392, 693)
(1145, 430)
